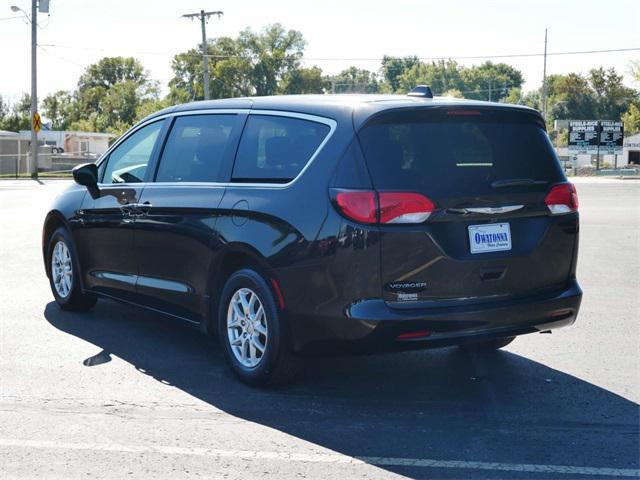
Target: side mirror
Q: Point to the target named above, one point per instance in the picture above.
(87, 175)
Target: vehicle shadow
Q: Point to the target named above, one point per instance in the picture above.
(439, 404)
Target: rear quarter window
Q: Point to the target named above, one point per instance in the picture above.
(275, 149)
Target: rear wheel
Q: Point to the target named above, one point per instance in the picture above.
(64, 274)
(252, 332)
(488, 345)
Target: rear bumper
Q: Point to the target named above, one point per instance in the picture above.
(373, 325)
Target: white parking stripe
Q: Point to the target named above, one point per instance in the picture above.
(324, 458)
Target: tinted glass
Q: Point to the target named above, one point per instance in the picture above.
(276, 149)
(441, 154)
(196, 148)
(128, 162)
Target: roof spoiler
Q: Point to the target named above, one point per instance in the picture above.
(423, 91)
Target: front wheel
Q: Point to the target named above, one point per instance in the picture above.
(487, 345)
(253, 334)
(64, 274)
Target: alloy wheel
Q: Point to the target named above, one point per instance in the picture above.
(247, 328)
(62, 269)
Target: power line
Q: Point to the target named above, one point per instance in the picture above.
(371, 59)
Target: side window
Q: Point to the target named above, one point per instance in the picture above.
(128, 162)
(196, 148)
(275, 149)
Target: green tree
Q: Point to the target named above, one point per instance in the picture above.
(4, 109)
(490, 81)
(631, 119)
(611, 95)
(304, 80)
(453, 93)
(59, 107)
(394, 67)
(441, 76)
(570, 97)
(254, 63)
(109, 94)
(355, 80)
(17, 116)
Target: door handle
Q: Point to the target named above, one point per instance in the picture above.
(143, 208)
(127, 208)
(135, 209)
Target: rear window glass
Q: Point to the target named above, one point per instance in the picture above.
(275, 149)
(196, 148)
(435, 152)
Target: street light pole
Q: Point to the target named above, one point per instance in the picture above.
(205, 59)
(34, 87)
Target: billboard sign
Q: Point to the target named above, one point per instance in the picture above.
(611, 137)
(583, 136)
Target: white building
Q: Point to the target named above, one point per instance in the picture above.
(631, 150)
(74, 143)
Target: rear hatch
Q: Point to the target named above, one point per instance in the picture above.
(488, 172)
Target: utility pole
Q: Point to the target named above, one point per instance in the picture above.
(544, 79)
(490, 87)
(34, 87)
(204, 16)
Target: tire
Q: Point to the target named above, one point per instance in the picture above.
(487, 345)
(251, 330)
(68, 294)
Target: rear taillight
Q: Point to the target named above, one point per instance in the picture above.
(368, 206)
(404, 207)
(562, 198)
(358, 205)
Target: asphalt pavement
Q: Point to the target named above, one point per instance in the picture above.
(122, 393)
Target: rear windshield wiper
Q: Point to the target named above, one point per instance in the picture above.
(516, 182)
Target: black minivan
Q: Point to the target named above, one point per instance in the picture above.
(319, 224)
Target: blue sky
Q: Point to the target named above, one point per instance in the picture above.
(84, 31)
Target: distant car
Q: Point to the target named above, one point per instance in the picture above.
(326, 224)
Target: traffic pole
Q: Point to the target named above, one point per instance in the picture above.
(34, 88)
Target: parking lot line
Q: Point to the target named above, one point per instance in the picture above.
(323, 458)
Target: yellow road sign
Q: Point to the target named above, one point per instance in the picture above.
(36, 122)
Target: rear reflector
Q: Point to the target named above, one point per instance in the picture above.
(413, 335)
(562, 198)
(368, 206)
(278, 292)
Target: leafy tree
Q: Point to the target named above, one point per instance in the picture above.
(4, 109)
(355, 80)
(394, 67)
(631, 119)
(147, 108)
(570, 97)
(17, 116)
(453, 93)
(109, 94)
(490, 81)
(254, 63)
(611, 95)
(441, 76)
(515, 96)
(59, 108)
(304, 80)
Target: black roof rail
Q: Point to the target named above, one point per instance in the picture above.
(421, 91)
